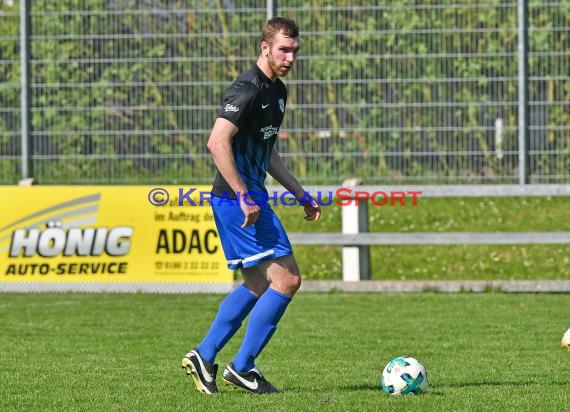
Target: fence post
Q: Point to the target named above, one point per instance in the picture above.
(523, 137)
(25, 93)
(271, 9)
(355, 259)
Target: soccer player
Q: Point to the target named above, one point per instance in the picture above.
(242, 146)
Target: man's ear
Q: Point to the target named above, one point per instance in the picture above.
(265, 48)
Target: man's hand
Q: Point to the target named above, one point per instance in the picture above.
(250, 210)
(312, 210)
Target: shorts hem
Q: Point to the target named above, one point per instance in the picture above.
(256, 262)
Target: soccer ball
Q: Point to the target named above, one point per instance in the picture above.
(565, 342)
(404, 375)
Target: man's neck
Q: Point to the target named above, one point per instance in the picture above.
(264, 67)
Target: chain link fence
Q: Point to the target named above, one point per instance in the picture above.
(389, 91)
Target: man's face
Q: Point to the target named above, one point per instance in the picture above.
(282, 53)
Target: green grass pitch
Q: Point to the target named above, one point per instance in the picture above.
(122, 352)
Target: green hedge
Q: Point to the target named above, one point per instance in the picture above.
(127, 92)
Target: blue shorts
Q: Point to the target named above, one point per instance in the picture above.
(264, 240)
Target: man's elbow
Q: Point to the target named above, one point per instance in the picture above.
(211, 146)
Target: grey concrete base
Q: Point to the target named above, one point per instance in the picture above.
(38, 287)
(414, 286)
(365, 286)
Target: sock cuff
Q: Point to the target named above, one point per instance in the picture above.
(246, 292)
(283, 296)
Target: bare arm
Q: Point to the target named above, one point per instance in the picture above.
(220, 146)
(279, 171)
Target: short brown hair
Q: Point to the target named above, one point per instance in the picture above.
(275, 25)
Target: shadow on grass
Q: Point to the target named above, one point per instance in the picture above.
(368, 387)
(332, 388)
(360, 387)
(505, 383)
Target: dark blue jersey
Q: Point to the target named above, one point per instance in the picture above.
(256, 106)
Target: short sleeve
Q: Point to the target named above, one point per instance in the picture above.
(238, 101)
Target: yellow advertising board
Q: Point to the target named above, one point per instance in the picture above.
(109, 234)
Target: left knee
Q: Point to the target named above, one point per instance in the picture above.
(284, 275)
(288, 285)
(295, 283)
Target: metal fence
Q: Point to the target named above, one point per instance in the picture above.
(389, 91)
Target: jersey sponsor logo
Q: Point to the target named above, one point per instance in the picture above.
(269, 131)
(231, 108)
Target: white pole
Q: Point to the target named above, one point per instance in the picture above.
(25, 102)
(271, 9)
(355, 259)
(523, 91)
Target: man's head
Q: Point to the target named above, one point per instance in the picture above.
(279, 46)
(277, 24)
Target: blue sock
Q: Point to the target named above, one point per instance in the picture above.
(231, 313)
(262, 323)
